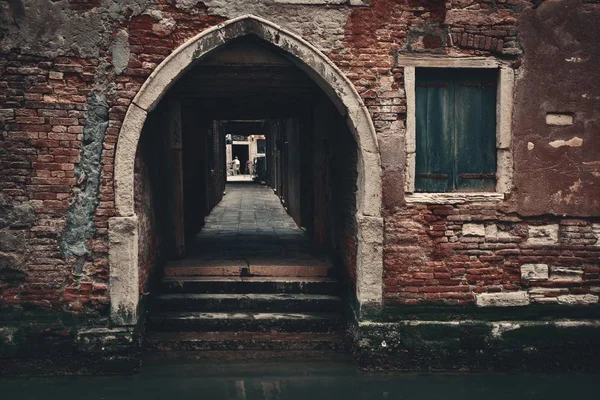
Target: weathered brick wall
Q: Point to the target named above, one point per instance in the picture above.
(452, 254)
(44, 104)
(150, 199)
(449, 254)
(343, 162)
(48, 82)
(217, 171)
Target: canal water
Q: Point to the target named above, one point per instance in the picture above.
(260, 380)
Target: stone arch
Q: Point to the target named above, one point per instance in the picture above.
(123, 229)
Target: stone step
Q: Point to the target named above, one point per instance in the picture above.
(231, 284)
(252, 267)
(243, 341)
(195, 267)
(174, 321)
(264, 302)
(288, 267)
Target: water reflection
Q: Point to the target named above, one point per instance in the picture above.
(256, 380)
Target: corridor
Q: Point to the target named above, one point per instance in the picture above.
(250, 228)
(250, 281)
(240, 273)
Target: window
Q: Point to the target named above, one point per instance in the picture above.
(261, 146)
(458, 128)
(455, 130)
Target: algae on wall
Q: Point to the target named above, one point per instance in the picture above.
(80, 218)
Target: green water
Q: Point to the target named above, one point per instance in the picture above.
(257, 380)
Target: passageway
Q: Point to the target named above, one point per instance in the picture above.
(250, 221)
(241, 259)
(250, 233)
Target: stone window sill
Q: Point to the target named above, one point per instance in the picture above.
(324, 2)
(452, 198)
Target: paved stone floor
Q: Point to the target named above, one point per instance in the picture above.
(250, 221)
(240, 178)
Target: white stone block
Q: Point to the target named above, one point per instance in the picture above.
(505, 299)
(492, 232)
(543, 235)
(544, 300)
(534, 272)
(596, 231)
(7, 113)
(55, 75)
(559, 119)
(578, 299)
(538, 291)
(473, 230)
(566, 274)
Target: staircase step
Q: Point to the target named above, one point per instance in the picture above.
(267, 302)
(253, 267)
(239, 341)
(288, 267)
(195, 267)
(226, 284)
(244, 322)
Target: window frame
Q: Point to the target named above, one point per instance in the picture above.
(504, 111)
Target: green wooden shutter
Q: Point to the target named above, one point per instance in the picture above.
(475, 118)
(434, 128)
(456, 130)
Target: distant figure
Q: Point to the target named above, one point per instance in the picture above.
(236, 166)
(249, 168)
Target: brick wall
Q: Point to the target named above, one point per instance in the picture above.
(44, 103)
(150, 199)
(217, 171)
(44, 98)
(450, 254)
(342, 164)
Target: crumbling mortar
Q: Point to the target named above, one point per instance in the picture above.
(80, 226)
(51, 28)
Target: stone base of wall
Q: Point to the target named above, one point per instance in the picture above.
(440, 340)
(52, 349)
(560, 344)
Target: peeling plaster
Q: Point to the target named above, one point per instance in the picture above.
(498, 328)
(544, 235)
(50, 28)
(577, 59)
(324, 29)
(571, 195)
(120, 51)
(80, 218)
(574, 142)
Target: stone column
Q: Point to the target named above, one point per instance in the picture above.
(369, 263)
(123, 264)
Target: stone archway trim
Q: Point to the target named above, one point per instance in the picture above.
(123, 233)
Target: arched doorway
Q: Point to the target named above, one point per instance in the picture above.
(124, 228)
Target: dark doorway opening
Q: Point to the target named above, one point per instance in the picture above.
(283, 243)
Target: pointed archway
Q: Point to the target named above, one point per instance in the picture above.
(123, 229)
